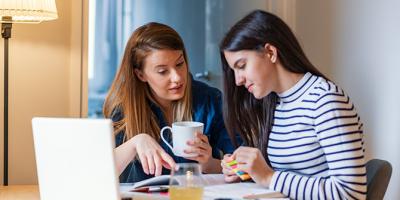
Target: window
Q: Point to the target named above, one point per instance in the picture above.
(201, 24)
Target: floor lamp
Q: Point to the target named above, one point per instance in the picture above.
(19, 11)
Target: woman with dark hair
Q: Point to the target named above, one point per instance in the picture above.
(153, 88)
(302, 135)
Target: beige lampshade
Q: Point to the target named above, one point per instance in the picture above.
(27, 11)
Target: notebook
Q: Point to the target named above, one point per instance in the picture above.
(164, 180)
(74, 158)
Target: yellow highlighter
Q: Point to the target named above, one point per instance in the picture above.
(233, 164)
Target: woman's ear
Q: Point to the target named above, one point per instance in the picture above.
(271, 52)
(140, 75)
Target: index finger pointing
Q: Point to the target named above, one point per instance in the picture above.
(165, 157)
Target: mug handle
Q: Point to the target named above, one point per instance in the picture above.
(163, 139)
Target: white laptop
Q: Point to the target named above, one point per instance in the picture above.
(75, 158)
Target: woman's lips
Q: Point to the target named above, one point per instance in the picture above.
(176, 89)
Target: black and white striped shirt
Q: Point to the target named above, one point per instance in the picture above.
(316, 143)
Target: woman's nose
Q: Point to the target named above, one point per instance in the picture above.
(175, 76)
(239, 79)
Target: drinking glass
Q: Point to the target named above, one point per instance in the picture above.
(186, 182)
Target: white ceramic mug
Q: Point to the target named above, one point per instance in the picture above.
(181, 133)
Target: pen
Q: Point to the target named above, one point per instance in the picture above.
(151, 189)
(158, 189)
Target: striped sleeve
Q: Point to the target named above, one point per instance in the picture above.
(339, 132)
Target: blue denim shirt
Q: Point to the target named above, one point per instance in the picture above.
(207, 108)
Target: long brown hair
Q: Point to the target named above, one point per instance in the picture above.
(243, 113)
(130, 96)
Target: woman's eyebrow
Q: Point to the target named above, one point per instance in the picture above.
(179, 58)
(159, 66)
(163, 65)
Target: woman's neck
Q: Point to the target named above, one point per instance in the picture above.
(168, 114)
(287, 79)
(167, 109)
(165, 106)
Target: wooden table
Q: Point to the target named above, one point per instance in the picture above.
(31, 192)
(19, 192)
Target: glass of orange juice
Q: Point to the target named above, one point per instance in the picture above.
(186, 182)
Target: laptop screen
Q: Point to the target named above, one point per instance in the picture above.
(75, 158)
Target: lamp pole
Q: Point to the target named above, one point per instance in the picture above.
(6, 34)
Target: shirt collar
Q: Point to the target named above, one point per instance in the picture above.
(298, 89)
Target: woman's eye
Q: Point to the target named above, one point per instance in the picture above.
(241, 66)
(162, 72)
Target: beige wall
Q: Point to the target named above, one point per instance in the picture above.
(314, 22)
(356, 44)
(44, 80)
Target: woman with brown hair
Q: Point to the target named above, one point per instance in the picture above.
(153, 88)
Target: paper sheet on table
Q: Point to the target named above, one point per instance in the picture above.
(240, 190)
(215, 187)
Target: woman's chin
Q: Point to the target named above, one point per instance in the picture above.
(257, 96)
(175, 97)
(260, 96)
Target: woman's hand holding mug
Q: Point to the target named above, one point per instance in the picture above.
(200, 146)
(181, 133)
(188, 141)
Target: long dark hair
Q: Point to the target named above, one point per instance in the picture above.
(243, 113)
